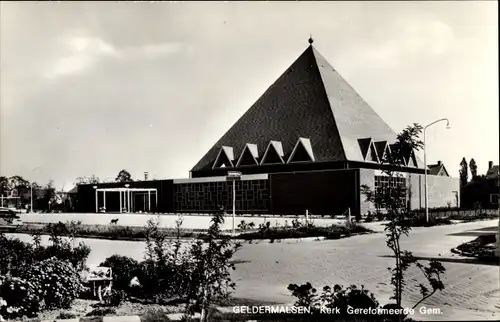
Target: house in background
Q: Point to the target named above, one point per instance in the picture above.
(437, 169)
(482, 191)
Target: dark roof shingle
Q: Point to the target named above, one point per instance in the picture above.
(310, 100)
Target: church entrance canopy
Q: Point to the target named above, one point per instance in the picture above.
(126, 200)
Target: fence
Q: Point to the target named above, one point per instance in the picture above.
(460, 213)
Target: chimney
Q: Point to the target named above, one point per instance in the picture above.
(490, 165)
(146, 176)
(439, 163)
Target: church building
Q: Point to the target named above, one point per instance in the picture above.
(308, 143)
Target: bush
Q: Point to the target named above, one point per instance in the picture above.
(115, 298)
(124, 269)
(477, 248)
(420, 221)
(332, 232)
(155, 316)
(332, 298)
(77, 256)
(65, 316)
(102, 312)
(13, 254)
(22, 297)
(58, 281)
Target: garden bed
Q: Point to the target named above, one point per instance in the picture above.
(483, 248)
(110, 232)
(278, 233)
(127, 233)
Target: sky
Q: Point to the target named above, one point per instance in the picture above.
(90, 88)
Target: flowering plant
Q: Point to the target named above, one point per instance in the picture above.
(20, 297)
(59, 281)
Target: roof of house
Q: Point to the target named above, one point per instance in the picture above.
(436, 169)
(310, 100)
(73, 190)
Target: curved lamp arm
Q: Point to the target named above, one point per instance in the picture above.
(440, 120)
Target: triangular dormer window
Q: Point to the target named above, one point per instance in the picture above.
(224, 158)
(302, 152)
(274, 153)
(248, 156)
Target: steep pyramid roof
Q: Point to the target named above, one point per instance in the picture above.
(309, 100)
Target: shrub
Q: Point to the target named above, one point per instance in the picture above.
(209, 280)
(66, 315)
(305, 294)
(59, 282)
(165, 273)
(102, 312)
(155, 316)
(115, 298)
(332, 232)
(124, 269)
(13, 254)
(61, 248)
(22, 297)
(77, 256)
(336, 297)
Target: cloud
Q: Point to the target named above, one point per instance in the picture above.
(161, 49)
(86, 52)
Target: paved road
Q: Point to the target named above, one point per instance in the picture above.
(472, 291)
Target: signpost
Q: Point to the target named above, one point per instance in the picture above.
(234, 176)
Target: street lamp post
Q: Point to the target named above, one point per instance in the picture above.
(425, 165)
(127, 198)
(234, 176)
(96, 200)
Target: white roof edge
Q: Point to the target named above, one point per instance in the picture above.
(244, 177)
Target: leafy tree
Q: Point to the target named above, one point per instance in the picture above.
(394, 201)
(473, 169)
(464, 172)
(4, 185)
(87, 180)
(46, 196)
(124, 176)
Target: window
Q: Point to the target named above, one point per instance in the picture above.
(384, 183)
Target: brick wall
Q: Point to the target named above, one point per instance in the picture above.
(252, 196)
(440, 191)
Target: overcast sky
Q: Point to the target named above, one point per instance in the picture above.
(95, 87)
